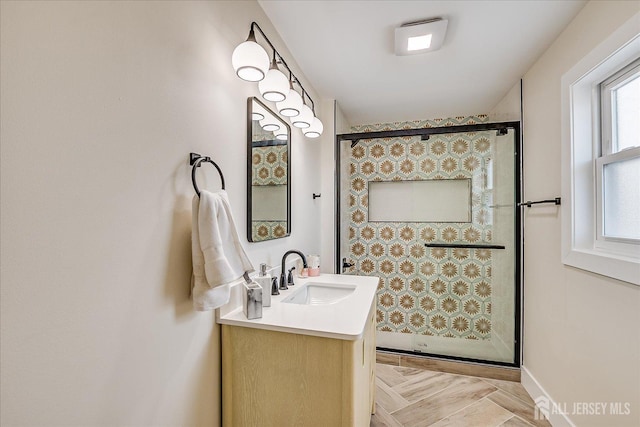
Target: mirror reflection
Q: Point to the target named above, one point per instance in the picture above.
(268, 189)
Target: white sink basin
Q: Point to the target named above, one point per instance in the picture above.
(318, 293)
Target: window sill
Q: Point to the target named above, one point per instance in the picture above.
(604, 263)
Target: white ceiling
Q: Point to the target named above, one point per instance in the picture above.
(345, 48)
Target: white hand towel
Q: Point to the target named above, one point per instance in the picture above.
(218, 256)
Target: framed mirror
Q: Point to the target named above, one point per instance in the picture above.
(268, 174)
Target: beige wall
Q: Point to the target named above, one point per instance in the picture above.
(339, 125)
(581, 339)
(508, 109)
(101, 104)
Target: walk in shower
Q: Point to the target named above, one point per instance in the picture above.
(430, 208)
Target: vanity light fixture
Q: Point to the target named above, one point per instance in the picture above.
(420, 37)
(257, 112)
(248, 61)
(315, 130)
(269, 124)
(291, 106)
(281, 134)
(275, 86)
(304, 119)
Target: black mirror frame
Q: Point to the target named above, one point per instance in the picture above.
(250, 101)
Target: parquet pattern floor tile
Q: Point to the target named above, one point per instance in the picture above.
(409, 397)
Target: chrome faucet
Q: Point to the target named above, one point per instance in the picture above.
(283, 282)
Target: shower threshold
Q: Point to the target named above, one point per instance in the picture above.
(492, 350)
(448, 364)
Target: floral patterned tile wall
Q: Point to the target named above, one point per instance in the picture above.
(267, 230)
(269, 170)
(430, 291)
(269, 165)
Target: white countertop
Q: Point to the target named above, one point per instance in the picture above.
(345, 319)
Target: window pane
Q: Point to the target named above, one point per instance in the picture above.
(622, 199)
(627, 120)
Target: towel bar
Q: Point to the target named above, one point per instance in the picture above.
(528, 204)
(196, 161)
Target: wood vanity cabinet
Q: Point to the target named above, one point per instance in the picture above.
(278, 379)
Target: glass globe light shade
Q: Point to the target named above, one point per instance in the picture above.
(315, 130)
(257, 112)
(304, 119)
(275, 86)
(291, 106)
(269, 124)
(281, 134)
(250, 61)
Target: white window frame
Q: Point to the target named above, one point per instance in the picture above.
(581, 132)
(610, 154)
(615, 244)
(607, 87)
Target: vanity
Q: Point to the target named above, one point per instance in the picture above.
(310, 359)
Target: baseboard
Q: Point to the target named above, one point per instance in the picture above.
(543, 400)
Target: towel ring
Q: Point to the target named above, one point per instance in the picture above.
(196, 160)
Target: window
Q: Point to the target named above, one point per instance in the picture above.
(618, 166)
(601, 158)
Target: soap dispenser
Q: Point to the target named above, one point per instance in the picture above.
(264, 280)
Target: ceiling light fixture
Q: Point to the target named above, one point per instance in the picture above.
(248, 61)
(419, 42)
(420, 37)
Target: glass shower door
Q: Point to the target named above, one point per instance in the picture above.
(436, 221)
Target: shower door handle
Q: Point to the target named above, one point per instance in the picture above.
(345, 265)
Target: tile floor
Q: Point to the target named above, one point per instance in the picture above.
(411, 397)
